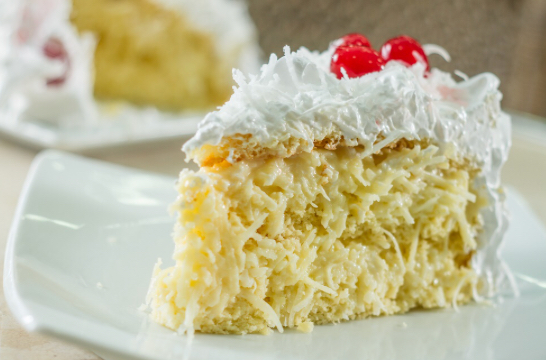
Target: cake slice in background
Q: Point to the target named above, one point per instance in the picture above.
(149, 53)
(335, 186)
(80, 61)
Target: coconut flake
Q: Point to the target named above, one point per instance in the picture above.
(438, 50)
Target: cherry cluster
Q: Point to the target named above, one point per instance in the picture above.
(356, 56)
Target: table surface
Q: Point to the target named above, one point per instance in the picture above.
(525, 170)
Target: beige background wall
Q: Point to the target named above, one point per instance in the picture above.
(506, 37)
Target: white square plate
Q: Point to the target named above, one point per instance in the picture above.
(87, 234)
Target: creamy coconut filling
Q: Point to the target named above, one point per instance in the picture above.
(319, 237)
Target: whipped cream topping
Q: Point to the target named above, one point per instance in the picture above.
(297, 97)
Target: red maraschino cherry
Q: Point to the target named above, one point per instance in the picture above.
(54, 49)
(405, 49)
(355, 39)
(356, 60)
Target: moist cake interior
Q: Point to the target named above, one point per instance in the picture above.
(317, 237)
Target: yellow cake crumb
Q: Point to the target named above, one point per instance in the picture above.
(319, 237)
(306, 327)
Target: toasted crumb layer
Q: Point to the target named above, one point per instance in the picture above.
(319, 237)
(151, 56)
(241, 147)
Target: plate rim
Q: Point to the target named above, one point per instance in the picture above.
(15, 134)
(13, 299)
(11, 291)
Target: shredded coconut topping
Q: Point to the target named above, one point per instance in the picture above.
(296, 97)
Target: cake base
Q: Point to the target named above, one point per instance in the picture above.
(319, 237)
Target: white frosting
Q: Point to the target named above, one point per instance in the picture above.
(297, 96)
(26, 25)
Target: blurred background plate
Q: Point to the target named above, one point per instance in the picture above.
(148, 126)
